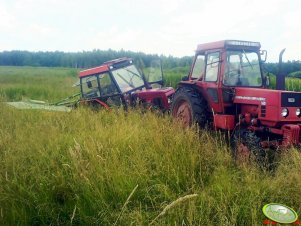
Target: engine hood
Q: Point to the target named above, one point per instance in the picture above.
(267, 97)
(270, 103)
(257, 96)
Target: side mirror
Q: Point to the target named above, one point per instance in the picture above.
(264, 55)
(185, 78)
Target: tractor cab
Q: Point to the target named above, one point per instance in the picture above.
(220, 68)
(229, 63)
(120, 82)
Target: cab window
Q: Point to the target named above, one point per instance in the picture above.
(212, 67)
(199, 67)
(242, 69)
(90, 86)
(107, 86)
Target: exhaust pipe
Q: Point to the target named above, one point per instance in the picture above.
(280, 79)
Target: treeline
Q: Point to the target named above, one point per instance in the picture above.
(85, 59)
(94, 58)
(292, 68)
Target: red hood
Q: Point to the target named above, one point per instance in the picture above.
(257, 96)
(270, 103)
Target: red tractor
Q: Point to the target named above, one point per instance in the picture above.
(120, 83)
(226, 88)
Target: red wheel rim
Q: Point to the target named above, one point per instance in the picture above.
(183, 113)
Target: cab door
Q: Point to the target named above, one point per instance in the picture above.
(209, 78)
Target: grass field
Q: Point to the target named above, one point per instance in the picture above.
(117, 168)
(48, 84)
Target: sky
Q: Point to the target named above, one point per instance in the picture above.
(169, 27)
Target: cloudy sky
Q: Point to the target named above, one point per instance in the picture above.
(170, 27)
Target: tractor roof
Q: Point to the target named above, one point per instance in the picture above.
(105, 67)
(227, 44)
(95, 70)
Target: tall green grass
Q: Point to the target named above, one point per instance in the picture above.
(291, 83)
(80, 168)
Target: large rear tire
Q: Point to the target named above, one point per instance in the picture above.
(189, 107)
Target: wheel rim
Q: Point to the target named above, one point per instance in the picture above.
(183, 113)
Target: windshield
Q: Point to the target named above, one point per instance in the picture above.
(155, 72)
(128, 78)
(242, 69)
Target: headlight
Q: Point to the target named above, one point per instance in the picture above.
(298, 112)
(284, 112)
(169, 99)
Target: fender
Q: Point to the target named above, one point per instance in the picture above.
(193, 85)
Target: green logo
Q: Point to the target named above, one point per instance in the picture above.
(280, 213)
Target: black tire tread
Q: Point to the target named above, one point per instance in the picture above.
(199, 106)
(251, 140)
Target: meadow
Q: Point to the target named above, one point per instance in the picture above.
(118, 168)
(49, 84)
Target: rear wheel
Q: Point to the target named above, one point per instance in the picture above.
(189, 107)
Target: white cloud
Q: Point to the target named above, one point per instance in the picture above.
(40, 31)
(8, 20)
(113, 37)
(158, 26)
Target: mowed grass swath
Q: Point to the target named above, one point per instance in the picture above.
(106, 168)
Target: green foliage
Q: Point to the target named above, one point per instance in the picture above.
(174, 75)
(287, 67)
(84, 59)
(291, 83)
(296, 74)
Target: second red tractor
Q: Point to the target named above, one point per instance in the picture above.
(227, 89)
(120, 83)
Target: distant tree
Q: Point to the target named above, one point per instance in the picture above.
(96, 57)
(84, 59)
(288, 67)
